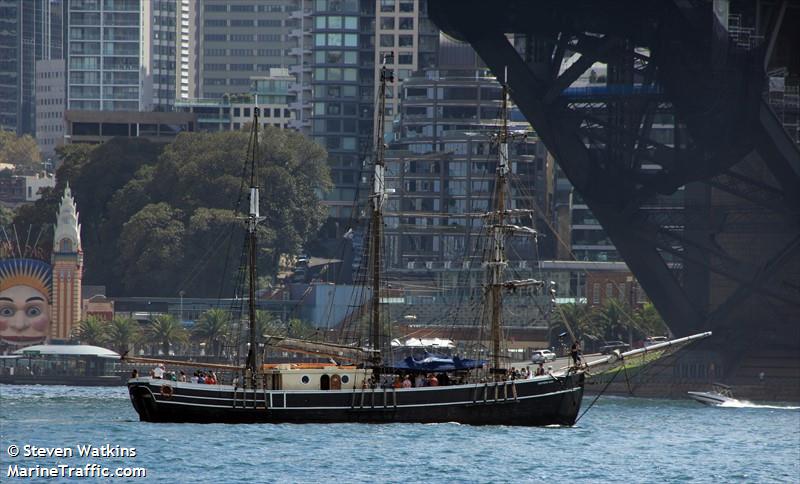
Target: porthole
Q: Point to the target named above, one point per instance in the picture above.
(305, 379)
(345, 378)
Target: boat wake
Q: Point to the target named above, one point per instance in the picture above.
(746, 404)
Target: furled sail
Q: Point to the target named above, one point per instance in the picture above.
(331, 350)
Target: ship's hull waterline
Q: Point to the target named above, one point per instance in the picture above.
(535, 402)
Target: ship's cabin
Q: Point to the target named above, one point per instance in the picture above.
(314, 377)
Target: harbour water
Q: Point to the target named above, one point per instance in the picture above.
(618, 439)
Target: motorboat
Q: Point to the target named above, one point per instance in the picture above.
(718, 395)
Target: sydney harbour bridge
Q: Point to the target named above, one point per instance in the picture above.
(728, 259)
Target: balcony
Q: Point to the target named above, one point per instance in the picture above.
(298, 14)
(297, 51)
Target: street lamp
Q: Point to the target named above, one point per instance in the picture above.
(181, 293)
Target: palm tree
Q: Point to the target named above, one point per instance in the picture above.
(166, 330)
(576, 315)
(92, 331)
(213, 328)
(612, 319)
(123, 333)
(649, 321)
(297, 328)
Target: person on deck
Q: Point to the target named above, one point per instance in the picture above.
(575, 353)
(158, 371)
(433, 381)
(540, 369)
(406, 382)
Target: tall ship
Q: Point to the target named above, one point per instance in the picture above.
(363, 382)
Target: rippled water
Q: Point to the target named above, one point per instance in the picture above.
(620, 439)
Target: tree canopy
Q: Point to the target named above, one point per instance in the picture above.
(611, 321)
(20, 151)
(159, 219)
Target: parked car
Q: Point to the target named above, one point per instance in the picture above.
(654, 340)
(609, 347)
(542, 356)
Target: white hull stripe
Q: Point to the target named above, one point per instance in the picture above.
(248, 403)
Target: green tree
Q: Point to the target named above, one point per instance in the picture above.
(169, 218)
(92, 331)
(611, 319)
(73, 157)
(6, 216)
(123, 333)
(166, 331)
(20, 151)
(40, 215)
(151, 249)
(213, 328)
(95, 178)
(648, 321)
(576, 315)
(213, 247)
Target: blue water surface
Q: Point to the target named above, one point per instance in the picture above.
(619, 439)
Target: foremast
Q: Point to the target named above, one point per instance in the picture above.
(499, 229)
(253, 364)
(377, 199)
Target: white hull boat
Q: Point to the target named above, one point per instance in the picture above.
(718, 395)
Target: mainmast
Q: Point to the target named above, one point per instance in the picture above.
(253, 219)
(378, 196)
(497, 263)
(499, 229)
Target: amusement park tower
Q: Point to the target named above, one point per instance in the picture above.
(67, 262)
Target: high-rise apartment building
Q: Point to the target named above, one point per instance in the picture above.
(333, 52)
(159, 61)
(50, 103)
(30, 30)
(237, 41)
(405, 41)
(442, 167)
(121, 55)
(269, 93)
(339, 47)
(186, 50)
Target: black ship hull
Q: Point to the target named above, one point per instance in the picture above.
(535, 402)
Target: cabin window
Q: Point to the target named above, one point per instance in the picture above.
(305, 379)
(345, 378)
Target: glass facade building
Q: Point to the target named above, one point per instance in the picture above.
(30, 30)
(442, 167)
(121, 55)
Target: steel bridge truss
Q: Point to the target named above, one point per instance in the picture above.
(686, 206)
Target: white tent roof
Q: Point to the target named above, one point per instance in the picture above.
(70, 350)
(424, 343)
